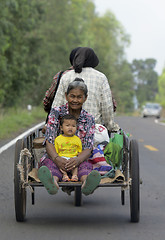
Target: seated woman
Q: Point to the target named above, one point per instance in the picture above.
(51, 163)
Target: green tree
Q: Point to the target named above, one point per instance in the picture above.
(160, 97)
(109, 42)
(123, 88)
(37, 37)
(145, 79)
(18, 70)
(66, 25)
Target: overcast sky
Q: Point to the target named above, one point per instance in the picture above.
(144, 21)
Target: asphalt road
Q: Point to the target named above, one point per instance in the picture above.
(102, 216)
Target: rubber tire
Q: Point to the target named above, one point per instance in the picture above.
(77, 197)
(135, 183)
(19, 192)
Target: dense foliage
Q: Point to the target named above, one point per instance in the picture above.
(145, 79)
(37, 36)
(18, 48)
(160, 97)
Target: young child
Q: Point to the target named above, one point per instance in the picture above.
(68, 145)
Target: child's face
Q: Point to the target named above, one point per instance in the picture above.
(69, 127)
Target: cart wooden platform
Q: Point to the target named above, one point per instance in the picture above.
(130, 170)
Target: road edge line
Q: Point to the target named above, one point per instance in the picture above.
(12, 142)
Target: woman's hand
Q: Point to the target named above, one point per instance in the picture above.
(61, 163)
(72, 163)
(75, 161)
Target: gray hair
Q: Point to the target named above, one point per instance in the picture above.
(78, 83)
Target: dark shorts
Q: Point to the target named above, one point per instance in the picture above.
(83, 169)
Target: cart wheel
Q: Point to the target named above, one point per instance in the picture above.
(19, 192)
(78, 197)
(135, 183)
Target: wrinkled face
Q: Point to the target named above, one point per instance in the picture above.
(75, 98)
(69, 127)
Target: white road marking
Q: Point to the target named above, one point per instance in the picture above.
(6, 146)
(160, 123)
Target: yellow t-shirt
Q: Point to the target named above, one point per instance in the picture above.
(68, 146)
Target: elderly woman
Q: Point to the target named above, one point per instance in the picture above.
(51, 163)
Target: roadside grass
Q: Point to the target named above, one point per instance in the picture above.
(16, 120)
(163, 116)
(134, 114)
(163, 121)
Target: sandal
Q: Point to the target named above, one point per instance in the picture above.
(74, 178)
(46, 178)
(65, 178)
(91, 183)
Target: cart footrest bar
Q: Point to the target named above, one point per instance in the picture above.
(78, 184)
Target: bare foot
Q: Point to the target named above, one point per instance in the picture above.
(55, 182)
(65, 178)
(74, 178)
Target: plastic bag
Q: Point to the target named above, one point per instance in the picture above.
(101, 134)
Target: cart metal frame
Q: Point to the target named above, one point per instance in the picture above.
(130, 169)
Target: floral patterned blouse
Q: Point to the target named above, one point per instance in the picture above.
(85, 126)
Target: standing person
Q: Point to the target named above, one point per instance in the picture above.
(49, 171)
(68, 145)
(99, 102)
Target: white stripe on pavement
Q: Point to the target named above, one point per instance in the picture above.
(6, 146)
(160, 123)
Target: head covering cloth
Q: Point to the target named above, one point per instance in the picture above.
(84, 57)
(72, 55)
